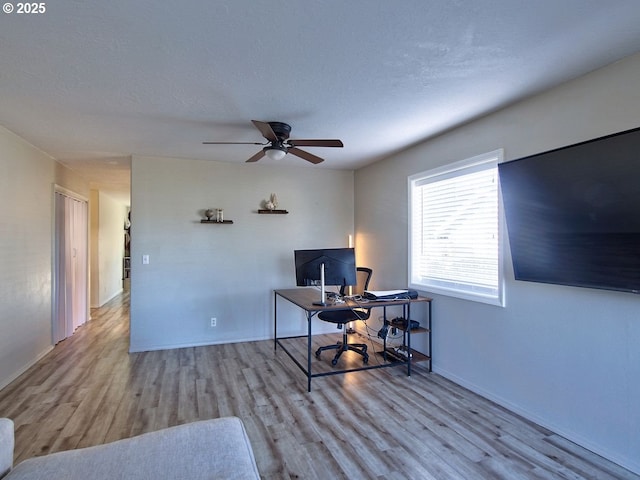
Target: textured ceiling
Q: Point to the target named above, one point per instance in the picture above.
(93, 82)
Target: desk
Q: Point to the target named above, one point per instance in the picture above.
(304, 298)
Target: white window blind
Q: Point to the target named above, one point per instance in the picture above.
(455, 230)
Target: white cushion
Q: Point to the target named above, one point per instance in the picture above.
(208, 449)
(6, 445)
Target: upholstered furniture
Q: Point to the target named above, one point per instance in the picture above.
(209, 449)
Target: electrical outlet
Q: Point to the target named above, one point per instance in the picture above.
(214, 321)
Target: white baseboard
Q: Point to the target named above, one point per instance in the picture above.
(6, 381)
(114, 295)
(632, 464)
(104, 302)
(172, 346)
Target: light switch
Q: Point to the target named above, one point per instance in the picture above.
(145, 259)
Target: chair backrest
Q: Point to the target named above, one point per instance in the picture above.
(363, 277)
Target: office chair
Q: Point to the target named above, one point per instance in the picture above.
(342, 317)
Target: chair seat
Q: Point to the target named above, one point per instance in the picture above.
(344, 316)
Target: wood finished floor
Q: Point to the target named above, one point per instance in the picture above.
(376, 424)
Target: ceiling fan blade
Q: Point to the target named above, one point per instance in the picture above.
(316, 143)
(309, 157)
(257, 156)
(233, 143)
(266, 130)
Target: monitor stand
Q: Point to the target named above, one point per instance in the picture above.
(322, 302)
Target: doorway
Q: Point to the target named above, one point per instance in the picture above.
(70, 272)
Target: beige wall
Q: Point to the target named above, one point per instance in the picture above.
(107, 246)
(94, 230)
(27, 177)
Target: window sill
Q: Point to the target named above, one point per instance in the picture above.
(472, 297)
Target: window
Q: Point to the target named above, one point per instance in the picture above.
(455, 224)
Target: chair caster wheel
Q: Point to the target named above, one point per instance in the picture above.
(334, 362)
(365, 359)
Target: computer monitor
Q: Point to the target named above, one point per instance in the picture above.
(327, 266)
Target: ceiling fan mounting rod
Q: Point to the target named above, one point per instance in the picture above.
(282, 130)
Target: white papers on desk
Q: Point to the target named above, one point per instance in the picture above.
(385, 293)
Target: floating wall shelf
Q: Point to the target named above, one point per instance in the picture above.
(272, 212)
(226, 222)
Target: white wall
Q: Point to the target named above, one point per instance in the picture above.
(94, 231)
(568, 358)
(27, 176)
(107, 242)
(198, 271)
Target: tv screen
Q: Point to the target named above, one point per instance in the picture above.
(339, 266)
(573, 214)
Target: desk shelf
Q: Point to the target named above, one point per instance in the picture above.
(402, 326)
(416, 356)
(413, 330)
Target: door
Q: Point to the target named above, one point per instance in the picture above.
(70, 303)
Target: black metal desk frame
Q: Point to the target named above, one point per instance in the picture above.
(304, 298)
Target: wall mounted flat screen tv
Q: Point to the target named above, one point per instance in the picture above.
(573, 214)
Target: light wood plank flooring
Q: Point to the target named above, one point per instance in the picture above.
(365, 425)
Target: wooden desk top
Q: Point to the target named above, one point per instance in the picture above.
(304, 297)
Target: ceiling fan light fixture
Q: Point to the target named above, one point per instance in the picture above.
(275, 153)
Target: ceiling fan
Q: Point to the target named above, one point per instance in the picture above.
(279, 144)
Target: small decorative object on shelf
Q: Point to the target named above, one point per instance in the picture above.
(272, 203)
(215, 215)
(271, 206)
